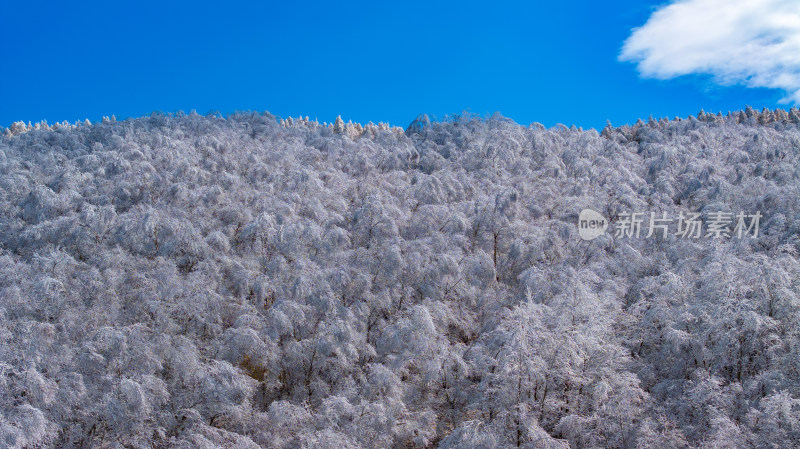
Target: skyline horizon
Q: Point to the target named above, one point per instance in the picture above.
(433, 118)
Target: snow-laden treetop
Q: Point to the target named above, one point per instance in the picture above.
(197, 282)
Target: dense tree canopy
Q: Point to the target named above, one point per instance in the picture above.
(199, 282)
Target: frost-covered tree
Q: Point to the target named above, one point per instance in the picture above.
(249, 281)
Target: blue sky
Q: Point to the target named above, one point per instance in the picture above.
(366, 61)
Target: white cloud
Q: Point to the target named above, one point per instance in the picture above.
(755, 43)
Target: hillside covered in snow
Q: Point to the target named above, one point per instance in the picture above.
(189, 281)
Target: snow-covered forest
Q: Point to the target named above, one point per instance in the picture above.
(187, 281)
